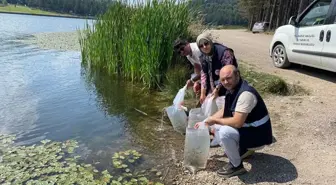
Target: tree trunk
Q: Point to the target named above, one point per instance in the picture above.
(261, 13)
(251, 22)
(268, 8)
(287, 13)
(303, 5)
(272, 13)
(279, 20)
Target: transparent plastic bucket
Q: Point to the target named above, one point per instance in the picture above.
(178, 118)
(195, 115)
(196, 149)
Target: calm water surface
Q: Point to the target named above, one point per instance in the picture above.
(46, 94)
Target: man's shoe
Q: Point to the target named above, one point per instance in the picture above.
(230, 171)
(244, 155)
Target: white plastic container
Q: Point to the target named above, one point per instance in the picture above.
(209, 106)
(220, 101)
(196, 149)
(178, 118)
(195, 115)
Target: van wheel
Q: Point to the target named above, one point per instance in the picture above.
(279, 57)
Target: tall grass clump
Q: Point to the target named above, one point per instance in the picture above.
(270, 84)
(134, 40)
(176, 78)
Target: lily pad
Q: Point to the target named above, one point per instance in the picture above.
(51, 163)
(131, 160)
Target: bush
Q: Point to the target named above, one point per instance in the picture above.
(269, 84)
(135, 40)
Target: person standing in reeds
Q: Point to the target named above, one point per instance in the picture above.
(193, 54)
(214, 57)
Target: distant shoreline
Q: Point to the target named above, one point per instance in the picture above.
(61, 16)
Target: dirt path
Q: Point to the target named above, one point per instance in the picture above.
(304, 126)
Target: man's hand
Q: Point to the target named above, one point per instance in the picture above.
(189, 83)
(215, 93)
(197, 125)
(210, 121)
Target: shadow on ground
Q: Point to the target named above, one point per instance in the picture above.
(314, 72)
(269, 168)
(265, 168)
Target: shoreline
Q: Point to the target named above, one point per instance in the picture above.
(48, 15)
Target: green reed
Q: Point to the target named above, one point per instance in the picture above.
(134, 40)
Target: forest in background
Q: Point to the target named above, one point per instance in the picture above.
(276, 12)
(213, 12)
(219, 12)
(75, 7)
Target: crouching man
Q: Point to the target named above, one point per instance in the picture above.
(244, 121)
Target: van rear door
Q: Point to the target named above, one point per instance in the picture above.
(329, 47)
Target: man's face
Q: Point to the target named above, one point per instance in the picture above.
(184, 50)
(204, 46)
(229, 79)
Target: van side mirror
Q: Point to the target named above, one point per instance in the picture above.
(292, 21)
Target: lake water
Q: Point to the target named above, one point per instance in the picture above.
(46, 94)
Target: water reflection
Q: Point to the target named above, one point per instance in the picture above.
(118, 97)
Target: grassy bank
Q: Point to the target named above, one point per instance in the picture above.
(135, 40)
(30, 11)
(265, 83)
(269, 84)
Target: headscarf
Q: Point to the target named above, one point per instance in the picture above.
(205, 36)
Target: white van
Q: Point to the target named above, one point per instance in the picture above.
(309, 38)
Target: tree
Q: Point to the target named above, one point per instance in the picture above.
(79, 7)
(219, 12)
(276, 12)
(272, 14)
(4, 2)
(303, 5)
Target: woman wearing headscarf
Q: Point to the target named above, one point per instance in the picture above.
(214, 57)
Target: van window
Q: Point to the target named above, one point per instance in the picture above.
(317, 14)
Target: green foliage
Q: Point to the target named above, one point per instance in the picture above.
(219, 12)
(4, 2)
(269, 84)
(47, 163)
(263, 82)
(276, 12)
(177, 78)
(54, 163)
(24, 9)
(135, 40)
(124, 159)
(78, 7)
